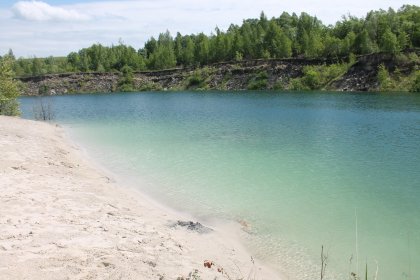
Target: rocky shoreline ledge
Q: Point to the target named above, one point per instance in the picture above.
(241, 75)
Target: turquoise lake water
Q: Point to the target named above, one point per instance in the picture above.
(297, 167)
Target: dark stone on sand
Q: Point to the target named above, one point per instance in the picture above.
(193, 226)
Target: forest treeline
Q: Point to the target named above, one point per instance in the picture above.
(286, 36)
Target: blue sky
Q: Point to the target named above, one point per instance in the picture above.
(57, 27)
(8, 3)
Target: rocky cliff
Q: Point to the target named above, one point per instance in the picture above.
(251, 74)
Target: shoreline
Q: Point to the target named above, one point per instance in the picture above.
(65, 216)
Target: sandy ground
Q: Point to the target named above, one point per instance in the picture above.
(61, 218)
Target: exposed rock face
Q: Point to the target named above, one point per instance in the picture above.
(223, 76)
(70, 83)
(362, 76)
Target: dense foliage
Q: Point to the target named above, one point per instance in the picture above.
(9, 90)
(288, 35)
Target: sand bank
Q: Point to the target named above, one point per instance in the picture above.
(62, 218)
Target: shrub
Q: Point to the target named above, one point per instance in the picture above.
(317, 77)
(126, 82)
(297, 84)
(280, 85)
(384, 79)
(9, 88)
(43, 89)
(150, 86)
(198, 79)
(259, 81)
(195, 80)
(415, 86)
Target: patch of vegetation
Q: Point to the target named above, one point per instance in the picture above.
(225, 80)
(195, 80)
(415, 85)
(280, 85)
(396, 81)
(43, 89)
(126, 82)
(259, 81)
(384, 79)
(150, 86)
(9, 88)
(199, 79)
(319, 76)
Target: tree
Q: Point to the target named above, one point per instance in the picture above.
(363, 43)
(389, 42)
(384, 79)
(202, 50)
(36, 66)
(150, 47)
(178, 48)
(403, 40)
(9, 89)
(164, 55)
(126, 82)
(188, 54)
(332, 46)
(276, 42)
(284, 46)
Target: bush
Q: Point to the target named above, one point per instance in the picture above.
(384, 79)
(280, 85)
(195, 81)
(43, 89)
(259, 82)
(317, 77)
(297, 84)
(198, 79)
(150, 86)
(312, 79)
(413, 57)
(9, 88)
(126, 82)
(415, 86)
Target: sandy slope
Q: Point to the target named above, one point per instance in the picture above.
(62, 219)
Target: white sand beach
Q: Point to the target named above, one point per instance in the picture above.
(63, 218)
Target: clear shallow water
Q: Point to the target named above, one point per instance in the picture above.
(296, 167)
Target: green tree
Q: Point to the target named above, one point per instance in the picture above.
(178, 48)
(9, 89)
(389, 42)
(312, 78)
(162, 58)
(384, 79)
(36, 66)
(332, 46)
(126, 82)
(276, 42)
(403, 40)
(202, 50)
(164, 55)
(189, 50)
(363, 43)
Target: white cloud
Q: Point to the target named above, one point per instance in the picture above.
(41, 11)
